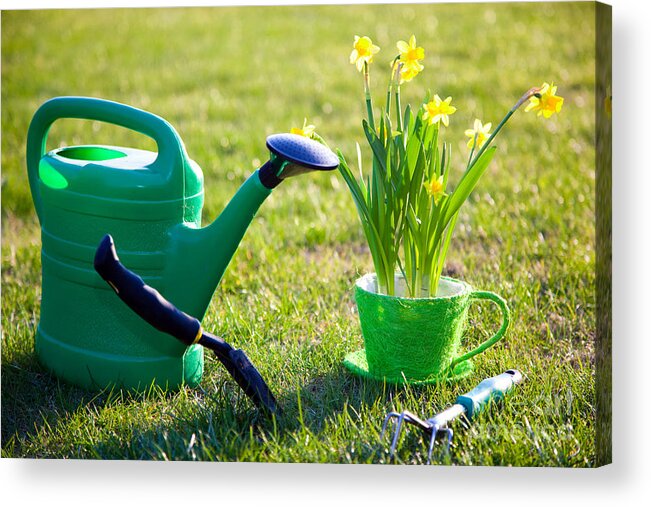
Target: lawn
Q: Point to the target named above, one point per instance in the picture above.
(228, 77)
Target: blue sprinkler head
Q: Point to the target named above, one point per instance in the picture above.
(291, 155)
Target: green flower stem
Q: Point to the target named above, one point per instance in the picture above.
(472, 150)
(530, 93)
(442, 254)
(491, 137)
(367, 93)
(396, 80)
(390, 87)
(369, 110)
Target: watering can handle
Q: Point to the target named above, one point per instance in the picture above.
(171, 152)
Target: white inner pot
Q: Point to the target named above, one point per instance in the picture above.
(447, 287)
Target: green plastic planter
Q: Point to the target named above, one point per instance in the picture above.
(418, 340)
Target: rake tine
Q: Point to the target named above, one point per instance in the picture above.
(396, 434)
(449, 433)
(448, 441)
(432, 441)
(386, 421)
(394, 440)
(401, 417)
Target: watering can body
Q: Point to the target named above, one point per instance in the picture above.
(150, 202)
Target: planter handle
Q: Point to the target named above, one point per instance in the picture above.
(506, 319)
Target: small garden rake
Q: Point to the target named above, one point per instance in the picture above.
(468, 404)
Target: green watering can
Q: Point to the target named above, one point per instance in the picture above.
(150, 202)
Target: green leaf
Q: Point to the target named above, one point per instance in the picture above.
(467, 184)
(445, 164)
(359, 167)
(375, 242)
(376, 146)
(408, 119)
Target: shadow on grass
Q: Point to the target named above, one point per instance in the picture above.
(223, 425)
(339, 414)
(32, 399)
(44, 417)
(342, 402)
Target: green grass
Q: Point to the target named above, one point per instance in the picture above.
(226, 78)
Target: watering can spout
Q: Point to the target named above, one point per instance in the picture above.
(199, 256)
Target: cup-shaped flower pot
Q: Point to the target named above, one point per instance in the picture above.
(418, 340)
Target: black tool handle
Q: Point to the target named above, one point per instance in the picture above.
(164, 316)
(242, 370)
(143, 299)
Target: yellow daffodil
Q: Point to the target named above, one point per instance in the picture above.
(409, 73)
(439, 110)
(435, 188)
(410, 55)
(305, 131)
(363, 51)
(481, 131)
(546, 102)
